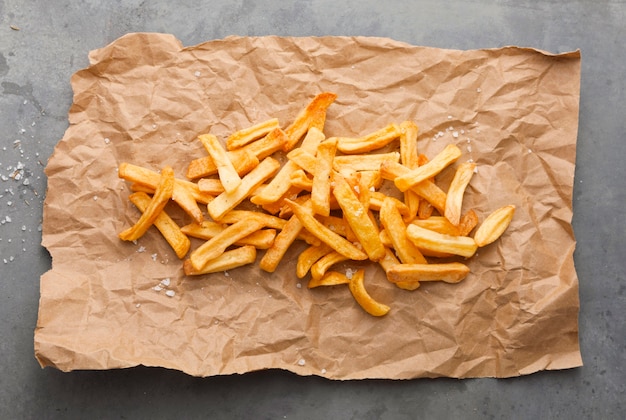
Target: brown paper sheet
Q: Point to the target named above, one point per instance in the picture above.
(144, 99)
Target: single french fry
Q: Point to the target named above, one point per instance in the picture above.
(438, 224)
(320, 191)
(389, 261)
(162, 195)
(391, 219)
(282, 242)
(215, 246)
(409, 158)
(269, 221)
(448, 272)
(247, 135)
(372, 141)
(225, 202)
(331, 278)
(324, 234)
(172, 233)
(313, 115)
(309, 256)
(425, 209)
(494, 225)
(227, 261)
(321, 266)
(426, 239)
(226, 171)
(358, 219)
(369, 162)
(266, 146)
(454, 199)
(415, 176)
(357, 288)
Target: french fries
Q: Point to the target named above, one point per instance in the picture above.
(347, 204)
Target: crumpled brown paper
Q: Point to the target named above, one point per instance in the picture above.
(144, 99)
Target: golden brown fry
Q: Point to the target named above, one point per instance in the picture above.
(324, 234)
(363, 298)
(358, 219)
(369, 162)
(391, 219)
(494, 225)
(227, 261)
(162, 195)
(300, 179)
(438, 224)
(225, 202)
(227, 173)
(243, 161)
(454, 199)
(309, 256)
(282, 242)
(409, 158)
(427, 189)
(332, 278)
(312, 116)
(426, 239)
(216, 246)
(303, 159)
(372, 141)
(247, 135)
(320, 191)
(321, 266)
(269, 221)
(172, 233)
(448, 272)
(468, 222)
(444, 158)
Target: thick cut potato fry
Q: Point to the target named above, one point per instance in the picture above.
(225, 202)
(427, 189)
(226, 171)
(243, 160)
(415, 176)
(274, 254)
(324, 234)
(494, 225)
(439, 242)
(389, 261)
(320, 191)
(215, 246)
(438, 224)
(468, 222)
(369, 305)
(162, 195)
(321, 266)
(247, 135)
(409, 273)
(409, 158)
(332, 278)
(358, 219)
(261, 239)
(369, 162)
(310, 256)
(172, 233)
(227, 261)
(391, 219)
(269, 221)
(454, 199)
(372, 141)
(313, 115)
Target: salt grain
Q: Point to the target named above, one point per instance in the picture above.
(170, 293)
(166, 282)
(455, 134)
(197, 74)
(301, 362)
(138, 305)
(299, 286)
(107, 140)
(141, 249)
(323, 371)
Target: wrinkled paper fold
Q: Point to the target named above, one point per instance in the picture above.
(144, 99)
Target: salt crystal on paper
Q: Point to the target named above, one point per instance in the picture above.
(455, 134)
(301, 362)
(165, 282)
(107, 140)
(197, 73)
(170, 293)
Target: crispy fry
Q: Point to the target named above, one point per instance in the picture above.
(243, 160)
(448, 272)
(391, 219)
(227, 261)
(321, 266)
(162, 194)
(172, 233)
(320, 191)
(227, 173)
(357, 288)
(439, 242)
(331, 278)
(468, 222)
(454, 199)
(372, 141)
(247, 135)
(216, 246)
(426, 189)
(370, 162)
(228, 201)
(444, 158)
(494, 225)
(438, 224)
(269, 221)
(358, 219)
(309, 256)
(324, 234)
(312, 116)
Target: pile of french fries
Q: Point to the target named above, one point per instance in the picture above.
(327, 194)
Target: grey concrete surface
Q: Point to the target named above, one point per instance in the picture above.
(42, 43)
